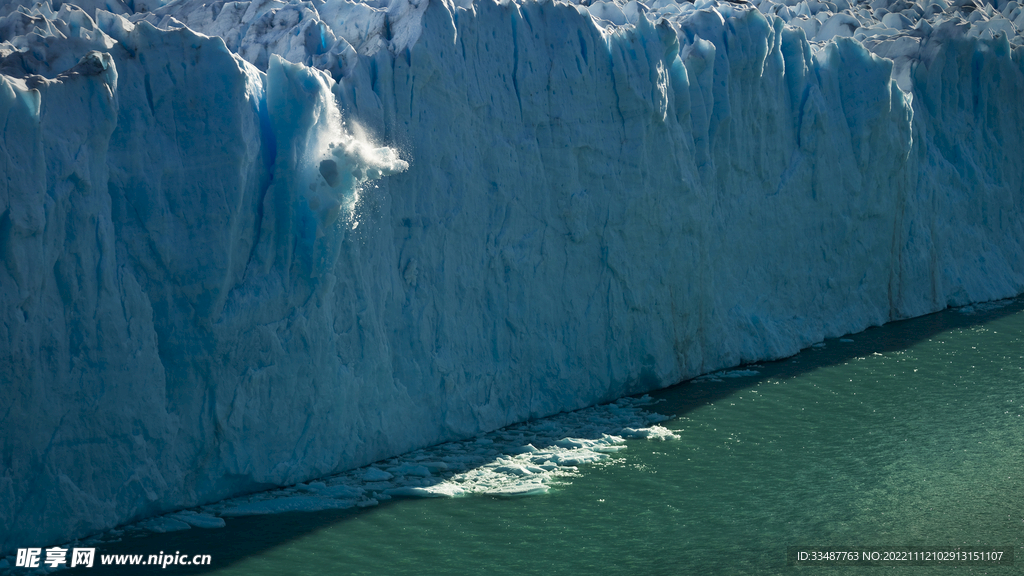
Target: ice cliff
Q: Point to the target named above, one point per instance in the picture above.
(249, 243)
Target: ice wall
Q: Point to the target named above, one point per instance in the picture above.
(314, 234)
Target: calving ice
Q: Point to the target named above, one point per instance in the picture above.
(253, 243)
(162, 560)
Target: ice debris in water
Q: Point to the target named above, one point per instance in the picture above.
(982, 307)
(520, 460)
(718, 376)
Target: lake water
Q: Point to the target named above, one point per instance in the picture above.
(911, 434)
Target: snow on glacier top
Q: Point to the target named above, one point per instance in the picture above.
(328, 34)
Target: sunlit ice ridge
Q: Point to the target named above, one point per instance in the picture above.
(248, 244)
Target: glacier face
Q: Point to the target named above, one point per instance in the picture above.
(249, 243)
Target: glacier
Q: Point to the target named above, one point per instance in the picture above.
(251, 243)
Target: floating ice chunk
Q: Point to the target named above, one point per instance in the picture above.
(742, 373)
(434, 467)
(645, 400)
(410, 470)
(518, 470)
(527, 449)
(661, 433)
(437, 491)
(983, 307)
(198, 520)
(338, 491)
(577, 457)
(164, 524)
(652, 433)
(314, 487)
(525, 489)
(611, 448)
(373, 474)
(572, 443)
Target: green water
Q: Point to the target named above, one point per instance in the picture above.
(911, 435)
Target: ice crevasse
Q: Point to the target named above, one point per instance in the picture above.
(246, 244)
